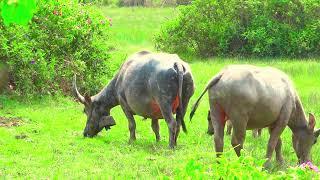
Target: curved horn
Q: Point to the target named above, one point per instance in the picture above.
(76, 92)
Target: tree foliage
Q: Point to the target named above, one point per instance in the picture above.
(245, 27)
(61, 39)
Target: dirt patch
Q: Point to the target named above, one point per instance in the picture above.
(10, 121)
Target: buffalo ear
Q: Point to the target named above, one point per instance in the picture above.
(106, 121)
(312, 121)
(316, 133)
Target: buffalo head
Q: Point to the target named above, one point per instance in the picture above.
(97, 117)
(304, 139)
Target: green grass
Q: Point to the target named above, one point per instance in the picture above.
(132, 29)
(55, 148)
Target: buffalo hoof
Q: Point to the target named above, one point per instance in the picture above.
(172, 145)
(267, 165)
(210, 132)
(107, 128)
(280, 161)
(132, 140)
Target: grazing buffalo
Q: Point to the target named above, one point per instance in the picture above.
(255, 132)
(152, 85)
(257, 97)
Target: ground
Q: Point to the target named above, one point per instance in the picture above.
(47, 140)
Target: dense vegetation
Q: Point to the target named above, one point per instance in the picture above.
(131, 3)
(260, 28)
(62, 39)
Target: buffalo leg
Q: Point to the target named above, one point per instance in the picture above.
(238, 137)
(239, 125)
(180, 115)
(210, 126)
(278, 149)
(187, 92)
(155, 128)
(131, 121)
(172, 124)
(179, 121)
(276, 131)
(256, 133)
(229, 127)
(217, 121)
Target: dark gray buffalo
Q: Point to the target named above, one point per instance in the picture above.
(256, 97)
(152, 85)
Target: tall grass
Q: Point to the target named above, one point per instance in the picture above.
(133, 29)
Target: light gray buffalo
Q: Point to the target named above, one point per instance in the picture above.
(152, 85)
(258, 97)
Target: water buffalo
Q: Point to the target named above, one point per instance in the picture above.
(152, 85)
(257, 97)
(255, 132)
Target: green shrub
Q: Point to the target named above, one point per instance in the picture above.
(62, 39)
(148, 3)
(245, 27)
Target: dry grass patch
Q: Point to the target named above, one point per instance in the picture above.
(10, 121)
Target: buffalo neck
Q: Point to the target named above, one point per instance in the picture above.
(107, 96)
(298, 120)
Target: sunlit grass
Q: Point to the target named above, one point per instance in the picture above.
(133, 28)
(54, 145)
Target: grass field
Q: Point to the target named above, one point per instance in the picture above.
(49, 142)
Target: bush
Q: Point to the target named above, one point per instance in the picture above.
(152, 2)
(246, 28)
(146, 3)
(62, 39)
